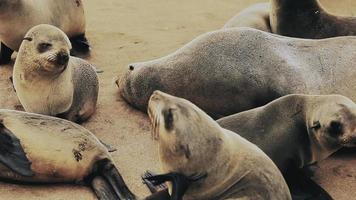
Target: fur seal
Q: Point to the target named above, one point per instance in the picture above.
(301, 19)
(255, 16)
(231, 70)
(296, 131)
(49, 81)
(18, 16)
(190, 142)
(42, 149)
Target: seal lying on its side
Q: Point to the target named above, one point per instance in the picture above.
(228, 71)
(49, 81)
(43, 149)
(255, 16)
(18, 16)
(298, 130)
(190, 142)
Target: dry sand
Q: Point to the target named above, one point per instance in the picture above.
(125, 31)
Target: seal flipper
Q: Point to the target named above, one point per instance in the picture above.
(12, 154)
(113, 178)
(5, 54)
(180, 182)
(153, 188)
(303, 187)
(109, 147)
(80, 45)
(102, 189)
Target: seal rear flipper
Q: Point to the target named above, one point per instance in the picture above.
(102, 189)
(110, 173)
(80, 45)
(5, 54)
(180, 182)
(161, 195)
(303, 187)
(12, 154)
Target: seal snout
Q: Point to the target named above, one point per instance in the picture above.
(131, 67)
(62, 58)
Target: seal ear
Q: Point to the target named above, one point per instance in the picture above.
(28, 39)
(168, 118)
(316, 125)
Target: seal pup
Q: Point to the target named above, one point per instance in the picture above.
(43, 149)
(255, 16)
(190, 142)
(49, 81)
(18, 16)
(307, 19)
(231, 70)
(296, 131)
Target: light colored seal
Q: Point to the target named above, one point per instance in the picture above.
(296, 131)
(18, 16)
(228, 71)
(49, 81)
(190, 142)
(255, 16)
(42, 149)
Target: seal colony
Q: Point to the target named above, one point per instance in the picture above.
(294, 18)
(43, 149)
(241, 65)
(190, 142)
(18, 16)
(49, 81)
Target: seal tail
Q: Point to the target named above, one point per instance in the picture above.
(109, 184)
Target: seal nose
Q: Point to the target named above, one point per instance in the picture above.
(62, 58)
(131, 67)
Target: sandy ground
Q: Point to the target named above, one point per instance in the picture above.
(125, 31)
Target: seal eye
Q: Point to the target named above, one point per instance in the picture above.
(168, 119)
(42, 47)
(335, 128)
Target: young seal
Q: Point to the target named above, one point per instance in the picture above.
(42, 149)
(228, 71)
(190, 142)
(18, 16)
(298, 130)
(255, 16)
(49, 81)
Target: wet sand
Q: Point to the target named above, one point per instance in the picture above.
(125, 31)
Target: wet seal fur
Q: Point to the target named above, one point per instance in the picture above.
(228, 71)
(49, 81)
(42, 149)
(298, 130)
(302, 19)
(190, 142)
(19, 16)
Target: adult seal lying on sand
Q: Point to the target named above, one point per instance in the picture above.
(190, 142)
(18, 16)
(255, 16)
(302, 18)
(49, 81)
(298, 130)
(43, 149)
(232, 70)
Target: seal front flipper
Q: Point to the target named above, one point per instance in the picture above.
(150, 184)
(5, 54)
(12, 154)
(80, 45)
(180, 182)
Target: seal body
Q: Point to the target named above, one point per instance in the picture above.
(255, 16)
(45, 149)
(19, 16)
(191, 142)
(298, 130)
(49, 81)
(232, 70)
(307, 19)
